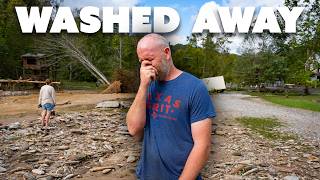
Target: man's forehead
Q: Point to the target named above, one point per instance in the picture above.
(147, 47)
(146, 51)
(149, 42)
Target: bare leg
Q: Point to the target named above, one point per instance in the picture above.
(43, 115)
(47, 117)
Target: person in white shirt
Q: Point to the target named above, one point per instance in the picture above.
(47, 102)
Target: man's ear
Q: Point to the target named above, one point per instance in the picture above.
(167, 52)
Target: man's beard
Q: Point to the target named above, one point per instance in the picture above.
(163, 70)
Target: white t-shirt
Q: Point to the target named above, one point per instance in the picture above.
(47, 95)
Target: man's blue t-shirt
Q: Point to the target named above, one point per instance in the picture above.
(172, 106)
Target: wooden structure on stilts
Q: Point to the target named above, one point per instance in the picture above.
(36, 67)
(35, 70)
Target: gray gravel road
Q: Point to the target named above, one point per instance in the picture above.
(302, 122)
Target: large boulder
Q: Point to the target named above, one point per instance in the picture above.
(108, 104)
(15, 125)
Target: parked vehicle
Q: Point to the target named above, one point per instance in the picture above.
(215, 83)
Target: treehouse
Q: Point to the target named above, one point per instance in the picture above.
(36, 67)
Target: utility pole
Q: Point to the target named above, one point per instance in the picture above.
(120, 51)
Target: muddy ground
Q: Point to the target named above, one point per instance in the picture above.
(84, 142)
(16, 108)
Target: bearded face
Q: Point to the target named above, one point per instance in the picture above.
(158, 58)
(163, 68)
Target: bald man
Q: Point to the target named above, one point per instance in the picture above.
(172, 113)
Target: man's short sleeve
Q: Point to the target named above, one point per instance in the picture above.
(201, 106)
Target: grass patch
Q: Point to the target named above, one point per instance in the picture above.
(311, 102)
(80, 85)
(267, 127)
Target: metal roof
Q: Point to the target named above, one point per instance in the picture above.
(38, 55)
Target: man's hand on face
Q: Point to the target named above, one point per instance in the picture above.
(147, 73)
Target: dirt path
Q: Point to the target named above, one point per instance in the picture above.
(239, 153)
(302, 122)
(20, 108)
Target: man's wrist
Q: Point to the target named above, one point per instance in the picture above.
(143, 87)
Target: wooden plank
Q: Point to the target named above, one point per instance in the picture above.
(25, 81)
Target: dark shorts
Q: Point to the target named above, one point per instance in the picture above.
(48, 106)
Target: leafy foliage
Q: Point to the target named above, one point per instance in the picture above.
(289, 58)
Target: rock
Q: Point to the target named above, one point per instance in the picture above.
(294, 158)
(131, 159)
(43, 166)
(55, 175)
(125, 104)
(108, 104)
(65, 170)
(22, 132)
(97, 138)
(38, 171)
(120, 139)
(14, 93)
(72, 162)
(122, 128)
(106, 171)
(78, 131)
(236, 169)
(108, 146)
(46, 178)
(311, 158)
(214, 176)
(220, 133)
(11, 137)
(232, 177)
(285, 169)
(96, 169)
(246, 162)
(263, 164)
(306, 155)
(125, 173)
(28, 176)
(250, 171)
(123, 132)
(62, 147)
(45, 161)
(32, 151)
(236, 154)
(2, 169)
(15, 125)
(3, 127)
(20, 169)
(32, 160)
(69, 176)
(14, 148)
(291, 178)
(272, 171)
(79, 157)
(24, 146)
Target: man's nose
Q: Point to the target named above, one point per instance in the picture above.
(148, 60)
